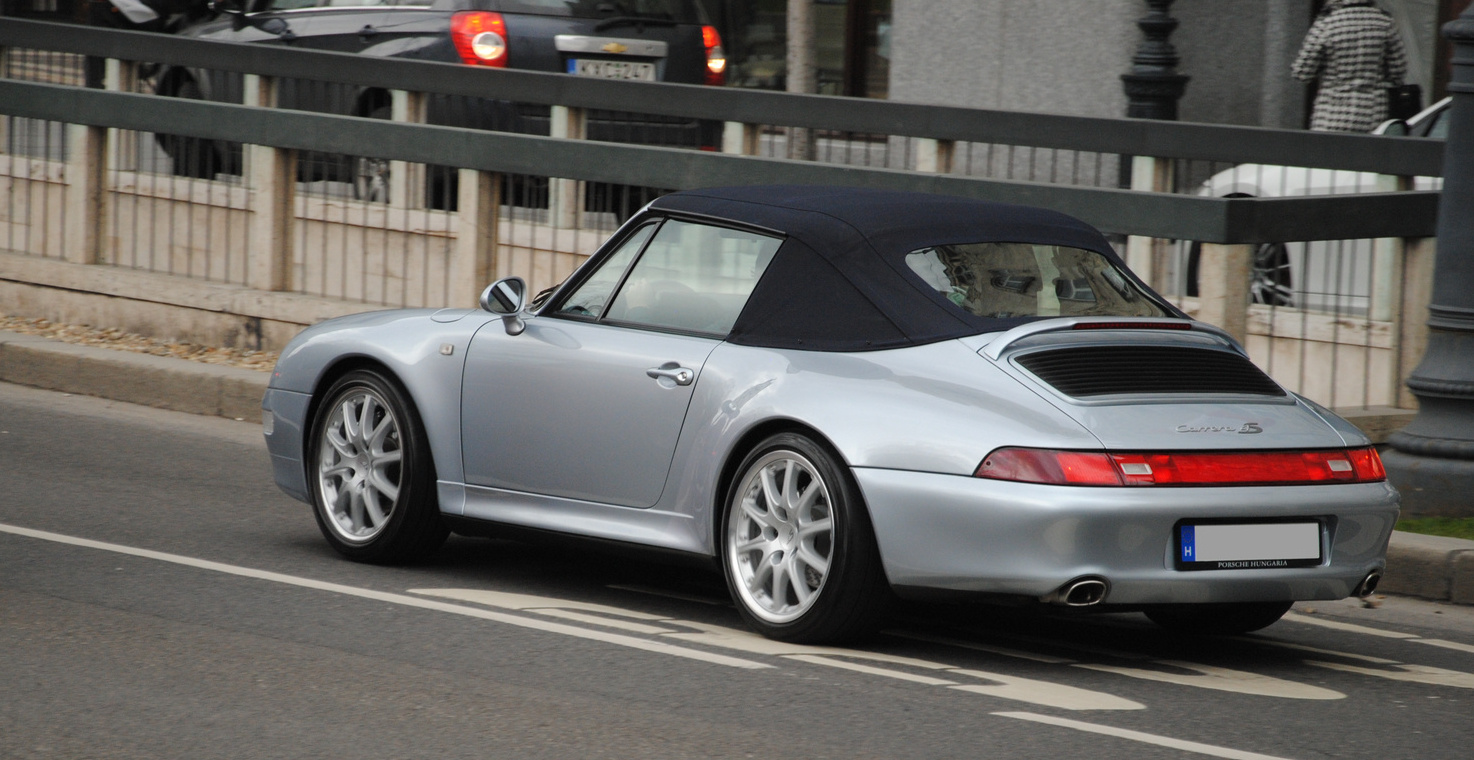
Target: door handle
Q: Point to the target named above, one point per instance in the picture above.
(672, 372)
(368, 31)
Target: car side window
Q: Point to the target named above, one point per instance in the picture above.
(288, 5)
(693, 278)
(591, 296)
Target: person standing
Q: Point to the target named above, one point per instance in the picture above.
(1355, 51)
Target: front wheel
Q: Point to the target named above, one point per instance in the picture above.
(372, 476)
(798, 550)
(1238, 617)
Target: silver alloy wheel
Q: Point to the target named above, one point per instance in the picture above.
(359, 465)
(780, 536)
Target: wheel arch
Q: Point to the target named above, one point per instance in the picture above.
(745, 444)
(331, 374)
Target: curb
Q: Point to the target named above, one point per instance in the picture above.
(1430, 567)
(156, 381)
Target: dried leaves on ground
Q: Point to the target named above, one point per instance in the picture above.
(87, 335)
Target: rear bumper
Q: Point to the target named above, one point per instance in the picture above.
(962, 534)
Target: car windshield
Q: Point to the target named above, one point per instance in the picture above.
(1003, 280)
(679, 11)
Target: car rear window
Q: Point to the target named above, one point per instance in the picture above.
(679, 11)
(1003, 280)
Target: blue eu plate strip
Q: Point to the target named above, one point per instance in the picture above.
(1189, 552)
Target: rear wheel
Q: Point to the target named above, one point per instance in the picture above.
(373, 480)
(798, 550)
(1237, 617)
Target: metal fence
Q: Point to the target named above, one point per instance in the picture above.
(380, 208)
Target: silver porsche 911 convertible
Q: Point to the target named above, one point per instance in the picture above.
(838, 395)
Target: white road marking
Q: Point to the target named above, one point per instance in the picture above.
(1045, 693)
(671, 594)
(1351, 627)
(1424, 674)
(1318, 650)
(1138, 736)
(1220, 679)
(960, 644)
(623, 625)
(1447, 644)
(658, 647)
(899, 675)
(1002, 686)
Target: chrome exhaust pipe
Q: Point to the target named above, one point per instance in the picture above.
(1368, 584)
(1082, 592)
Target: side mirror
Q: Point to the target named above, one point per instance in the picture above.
(506, 297)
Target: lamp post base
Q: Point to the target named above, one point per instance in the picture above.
(1431, 486)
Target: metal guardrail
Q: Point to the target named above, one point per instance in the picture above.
(1216, 220)
(1127, 137)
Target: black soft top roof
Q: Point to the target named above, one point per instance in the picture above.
(840, 281)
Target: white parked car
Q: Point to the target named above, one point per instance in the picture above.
(1330, 275)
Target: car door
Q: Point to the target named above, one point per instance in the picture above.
(588, 401)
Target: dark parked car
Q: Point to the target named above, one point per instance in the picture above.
(653, 40)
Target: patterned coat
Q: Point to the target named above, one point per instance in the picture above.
(1355, 50)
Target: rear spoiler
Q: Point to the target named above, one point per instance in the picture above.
(998, 345)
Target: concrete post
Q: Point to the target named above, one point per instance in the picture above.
(565, 199)
(271, 175)
(1432, 459)
(1223, 287)
(934, 155)
(85, 208)
(473, 264)
(1146, 256)
(407, 180)
(802, 71)
(740, 139)
(122, 144)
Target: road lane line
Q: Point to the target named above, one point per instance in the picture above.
(1318, 650)
(1350, 627)
(623, 625)
(1138, 736)
(900, 675)
(1044, 693)
(1000, 686)
(658, 647)
(1447, 644)
(1424, 674)
(990, 649)
(1220, 679)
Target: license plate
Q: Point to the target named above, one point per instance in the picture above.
(1247, 546)
(612, 69)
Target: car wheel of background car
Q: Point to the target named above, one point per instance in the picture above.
(373, 480)
(1271, 281)
(798, 550)
(1240, 617)
(191, 156)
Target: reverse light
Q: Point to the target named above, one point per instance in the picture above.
(480, 37)
(1183, 469)
(716, 58)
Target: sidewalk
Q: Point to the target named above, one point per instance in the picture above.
(1431, 567)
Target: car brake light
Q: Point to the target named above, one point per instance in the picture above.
(1183, 469)
(716, 58)
(480, 38)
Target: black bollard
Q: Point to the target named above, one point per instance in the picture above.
(1432, 460)
(1153, 87)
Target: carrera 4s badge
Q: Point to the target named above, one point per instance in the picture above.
(1248, 428)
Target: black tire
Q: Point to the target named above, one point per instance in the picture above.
(192, 156)
(351, 474)
(848, 600)
(1225, 619)
(1272, 280)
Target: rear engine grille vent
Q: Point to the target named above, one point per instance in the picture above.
(1111, 370)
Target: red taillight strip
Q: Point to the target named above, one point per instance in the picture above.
(465, 26)
(716, 57)
(1184, 468)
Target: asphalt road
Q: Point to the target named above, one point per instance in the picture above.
(159, 598)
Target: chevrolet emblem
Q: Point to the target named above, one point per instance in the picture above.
(614, 48)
